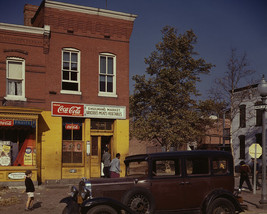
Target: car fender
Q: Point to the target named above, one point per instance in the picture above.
(90, 203)
(72, 206)
(221, 193)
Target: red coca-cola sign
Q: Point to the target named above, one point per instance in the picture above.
(72, 126)
(4, 122)
(67, 109)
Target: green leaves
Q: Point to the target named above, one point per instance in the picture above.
(162, 107)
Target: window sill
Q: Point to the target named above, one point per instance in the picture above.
(107, 95)
(71, 92)
(15, 98)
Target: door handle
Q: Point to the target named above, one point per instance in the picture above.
(182, 183)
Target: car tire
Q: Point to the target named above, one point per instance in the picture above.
(221, 205)
(140, 201)
(102, 209)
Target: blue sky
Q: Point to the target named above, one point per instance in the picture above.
(219, 25)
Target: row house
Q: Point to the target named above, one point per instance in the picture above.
(247, 122)
(64, 91)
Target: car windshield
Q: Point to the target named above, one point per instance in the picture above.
(137, 168)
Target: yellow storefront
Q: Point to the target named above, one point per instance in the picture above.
(60, 146)
(19, 148)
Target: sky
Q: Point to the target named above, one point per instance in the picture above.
(219, 25)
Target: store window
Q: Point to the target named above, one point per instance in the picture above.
(17, 142)
(72, 145)
(70, 71)
(15, 77)
(107, 75)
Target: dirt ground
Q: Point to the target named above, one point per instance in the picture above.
(13, 200)
(46, 200)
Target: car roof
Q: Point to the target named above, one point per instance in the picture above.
(210, 153)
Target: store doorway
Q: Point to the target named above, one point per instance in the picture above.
(105, 143)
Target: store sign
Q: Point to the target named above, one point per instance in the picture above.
(67, 109)
(16, 175)
(6, 122)
(103, 111)
(71, 126)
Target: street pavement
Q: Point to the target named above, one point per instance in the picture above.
(47, 197)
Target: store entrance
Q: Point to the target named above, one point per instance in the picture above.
(99, 143)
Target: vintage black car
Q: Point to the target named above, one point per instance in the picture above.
(192, 181)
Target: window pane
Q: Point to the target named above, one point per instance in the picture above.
(70, 86)
(242, 147)
(195, 166)
(74, 76)
(164, 168)
(102, 83)
(242, 116)
(66, 66)
(66, 56)
(18, 88)
(110, 84)
(219, 167)
(74, 66)
(102, 65)
(110, 65)
(95, 146)
(74, 57)
(65, 75)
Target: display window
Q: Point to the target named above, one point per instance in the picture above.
(17, 142)
(72, 144)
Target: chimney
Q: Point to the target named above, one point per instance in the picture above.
(29, 12)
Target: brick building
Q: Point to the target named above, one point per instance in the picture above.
(64, 91)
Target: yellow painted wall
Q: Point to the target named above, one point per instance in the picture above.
(51, 140)
(121, 141)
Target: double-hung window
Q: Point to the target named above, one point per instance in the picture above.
(70, 71)
(107, 75)
(15, 77)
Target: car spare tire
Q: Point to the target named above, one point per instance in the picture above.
(140, 201)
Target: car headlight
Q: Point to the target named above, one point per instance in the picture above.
(85, 193)
(73, 192)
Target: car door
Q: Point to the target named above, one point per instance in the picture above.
(197, 181)
(167, 184)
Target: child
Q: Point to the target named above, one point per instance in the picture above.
(29, 190)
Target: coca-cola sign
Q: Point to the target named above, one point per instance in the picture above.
(67, 109)
(72, 126)
(4, 122)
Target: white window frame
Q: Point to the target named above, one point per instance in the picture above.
(73, 50)
(113, 93)
(10, 96)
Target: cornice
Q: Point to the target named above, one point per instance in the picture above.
(25, 29)
(90, 10)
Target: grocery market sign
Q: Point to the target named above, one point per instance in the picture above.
(88, 111)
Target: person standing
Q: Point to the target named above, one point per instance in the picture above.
(115, 169)
(29, 190)
(106, 161)
(244, 175)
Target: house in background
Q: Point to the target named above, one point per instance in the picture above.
(247, 122)
(64, 91)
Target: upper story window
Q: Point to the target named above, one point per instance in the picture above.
(242, 147)
(70, 71)
(258, 117)
(107, 75)
(15, 77)
(242, 116)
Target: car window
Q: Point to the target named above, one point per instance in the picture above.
(166, 168)
(197, 166)
(137, 168)
(219, 166)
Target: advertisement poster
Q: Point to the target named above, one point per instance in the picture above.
(5, 153)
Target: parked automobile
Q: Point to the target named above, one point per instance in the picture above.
(201, 181)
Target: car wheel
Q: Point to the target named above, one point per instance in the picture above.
(140, 201)
(102, 209)
(221, 206)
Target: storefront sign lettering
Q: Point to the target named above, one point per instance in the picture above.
(64, 109)
(6, 122)
(16, 175)
(108, 112)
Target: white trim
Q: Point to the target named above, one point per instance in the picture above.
(16, 97)
(25, 29)
(105, 94)
(90, 10)
(70, 92)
